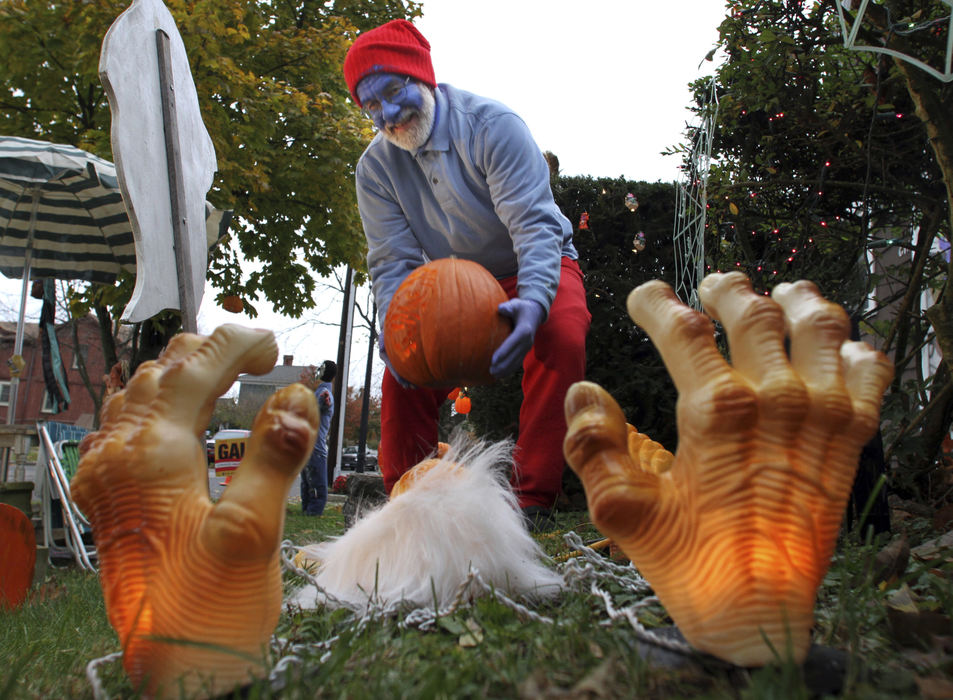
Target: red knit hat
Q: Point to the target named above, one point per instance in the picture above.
(395, 47)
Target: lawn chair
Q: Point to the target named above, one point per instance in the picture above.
(66, 531)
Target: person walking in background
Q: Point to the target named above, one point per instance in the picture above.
(314, 476)
(451, 173)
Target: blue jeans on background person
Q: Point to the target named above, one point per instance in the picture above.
(314, 484)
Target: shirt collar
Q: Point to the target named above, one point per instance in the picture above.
(440, 136)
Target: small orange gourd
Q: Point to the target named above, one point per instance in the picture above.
(233, 303)
(462, 405)
(442, 326)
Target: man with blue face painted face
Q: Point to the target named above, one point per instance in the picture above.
(451, 173)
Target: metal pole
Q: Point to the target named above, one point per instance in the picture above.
(366, 403)
(21, 321)
(180, 235)
(18, 340)
(336, 440)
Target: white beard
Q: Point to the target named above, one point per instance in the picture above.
(416, 135)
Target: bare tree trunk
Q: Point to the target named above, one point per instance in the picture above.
(900, 328)
(96, 396)
(934, 104)
(106, 336)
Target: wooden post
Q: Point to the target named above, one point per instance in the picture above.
(183, 264)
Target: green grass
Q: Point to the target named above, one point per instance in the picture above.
(487, 650)
(302, 529)
(46, 643)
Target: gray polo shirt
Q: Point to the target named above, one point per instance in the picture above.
(478, 189)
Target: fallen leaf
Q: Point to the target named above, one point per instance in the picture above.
(935, 687)
(891, 561)
(940, 547)
(911, 626)
(902, 600)
(943, 517)
(597, 684)
(452, 625)
(473, 634)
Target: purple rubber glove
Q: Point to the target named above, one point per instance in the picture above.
(526, 315)
(382, 352)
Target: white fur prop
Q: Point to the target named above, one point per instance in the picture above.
(422, 544)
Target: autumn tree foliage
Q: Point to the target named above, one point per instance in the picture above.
(274, 101)
(352, 417)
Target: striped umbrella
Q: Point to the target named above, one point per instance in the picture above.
(62, 216)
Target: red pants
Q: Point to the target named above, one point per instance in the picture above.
(556, 360)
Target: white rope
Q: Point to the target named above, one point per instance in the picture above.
(590, 569)
(472, 587)
(92, 674)
(586, 570)
(418, 618)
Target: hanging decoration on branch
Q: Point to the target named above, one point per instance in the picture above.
(584, 221)
(631, 203)
(16, 364)
(461, 402)
(233, 303)
(638, 243)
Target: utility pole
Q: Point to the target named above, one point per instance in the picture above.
(336, 438)
(366, 403)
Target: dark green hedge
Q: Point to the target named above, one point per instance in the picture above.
(619, 356)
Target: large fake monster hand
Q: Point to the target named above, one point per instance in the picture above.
(737, 534)
(193, 589)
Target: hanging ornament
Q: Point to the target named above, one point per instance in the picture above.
(16, 365)
(584, 221)
(461, 403)
(233, 303)
(638, 243)
(631, 203)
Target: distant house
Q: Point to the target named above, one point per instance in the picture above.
(253, 390)
(33, 400)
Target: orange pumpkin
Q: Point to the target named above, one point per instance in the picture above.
(410, 477)
(233, 303)
(462, 405)
(18, 554)
(442, 325)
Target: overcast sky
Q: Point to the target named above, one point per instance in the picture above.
(602, 84)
